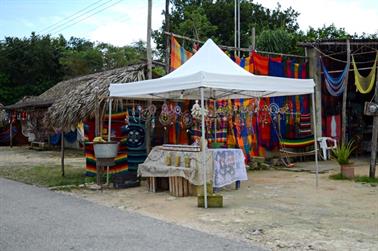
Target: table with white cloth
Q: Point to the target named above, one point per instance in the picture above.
(224, 166)
(228, 166)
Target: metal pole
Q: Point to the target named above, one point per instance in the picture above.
(109, 135)
(167, 38)
(235, 26)
(315, 139)
(204, 167)
(149, 51)
(239, 28)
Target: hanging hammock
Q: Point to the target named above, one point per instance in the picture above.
(335, 85)
(364, 84)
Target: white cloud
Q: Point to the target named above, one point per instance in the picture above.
(129, 26)
(354, 16)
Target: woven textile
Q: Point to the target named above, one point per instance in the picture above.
(364, 84)
(178, 54)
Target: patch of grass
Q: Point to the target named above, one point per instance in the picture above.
(338, 176)
(366, 179)
(361, 179)
(49, 176)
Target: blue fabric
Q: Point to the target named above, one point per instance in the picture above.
(335, 85)
(276, 69)
(71, 137)
(55, 139)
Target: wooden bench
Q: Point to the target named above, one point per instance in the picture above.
(38, 145)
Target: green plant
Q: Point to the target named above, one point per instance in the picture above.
(343, 152)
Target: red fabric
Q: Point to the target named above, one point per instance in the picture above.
(289, 71)
(277, 59)
(337, 131)
(261, 64)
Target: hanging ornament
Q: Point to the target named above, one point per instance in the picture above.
(164, 108)
(153, 123)
(187, 119)
(178, 110)
(196, 111)
(152, 109)
(127, 119)
(164, 118)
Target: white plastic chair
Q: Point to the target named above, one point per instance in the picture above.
(323, 142)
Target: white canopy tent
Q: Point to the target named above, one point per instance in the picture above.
(210, 73)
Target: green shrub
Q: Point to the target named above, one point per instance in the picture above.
(343, 152)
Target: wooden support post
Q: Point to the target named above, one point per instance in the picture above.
(374, 137)
(314, 70)
(148, 131)
(253, 47)
(345, 96)
(97, 113)
(149, 51)
(62, 152)
(11, 132)
(167, 38)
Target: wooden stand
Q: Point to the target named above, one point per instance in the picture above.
(180, 187)
(157, 184)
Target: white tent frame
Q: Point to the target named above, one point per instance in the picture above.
(215, 84)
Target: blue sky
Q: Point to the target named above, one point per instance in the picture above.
(124, 21)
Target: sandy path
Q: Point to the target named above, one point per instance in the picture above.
(276, 209)
(280, 210)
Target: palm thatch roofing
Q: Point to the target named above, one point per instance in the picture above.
(75, 99)
(30, 102)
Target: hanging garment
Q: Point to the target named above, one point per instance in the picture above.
(335, 85)
(288, 69)
(261, 64)
(364, 84)
(333, 126)
(276, 68)
(303, 72)
(178, 54)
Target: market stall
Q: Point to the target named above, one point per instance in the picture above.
(210, 74)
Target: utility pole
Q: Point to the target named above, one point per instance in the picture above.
(167, 48)
(149, 52)
(345, 95)
(149, 76)
(374, 137)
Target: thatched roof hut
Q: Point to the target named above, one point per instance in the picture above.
(74, 99)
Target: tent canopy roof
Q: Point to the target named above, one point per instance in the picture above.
(212, 69)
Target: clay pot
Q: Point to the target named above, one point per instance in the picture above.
(347, 171)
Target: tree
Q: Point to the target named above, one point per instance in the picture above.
(216, 20)
(30, 66)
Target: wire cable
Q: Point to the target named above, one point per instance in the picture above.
(67, 18)
(67, 22)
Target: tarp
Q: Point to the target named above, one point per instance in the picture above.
(212, 69)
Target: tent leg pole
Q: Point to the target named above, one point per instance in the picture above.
(204, 167)
(109, 134)
(316, 140)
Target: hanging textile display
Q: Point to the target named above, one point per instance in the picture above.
(335, 85)
(261, 64)
(178, 54)
(245, 62)
(276, 68)
(333, 126)
(364, 84)
(121, 160)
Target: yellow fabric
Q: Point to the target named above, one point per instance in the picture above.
(364, 84)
